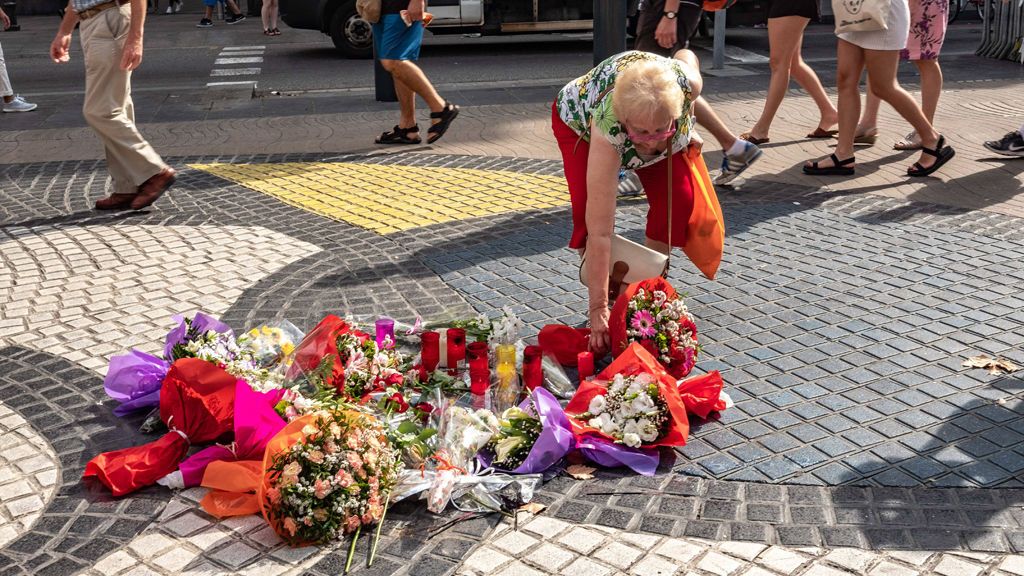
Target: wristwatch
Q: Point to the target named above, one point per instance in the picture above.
(669, 15)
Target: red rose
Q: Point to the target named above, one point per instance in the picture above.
(649, 345)
(395, 379)
(398, 399)
(425, 410)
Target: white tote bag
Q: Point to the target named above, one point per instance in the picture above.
(861, 15)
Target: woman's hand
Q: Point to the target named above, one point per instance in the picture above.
(696, 145)
(600, 340)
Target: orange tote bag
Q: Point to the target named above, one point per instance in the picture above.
(705, 231)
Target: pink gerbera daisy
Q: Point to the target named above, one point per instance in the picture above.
(643, 323)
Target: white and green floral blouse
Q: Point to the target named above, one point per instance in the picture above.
(589, 97)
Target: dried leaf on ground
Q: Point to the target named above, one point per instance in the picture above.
(995, 366)
(580, 472)
(533, 508)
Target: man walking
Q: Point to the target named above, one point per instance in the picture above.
(112, 44)
(397, 38)
(12, 102)
(667, 26)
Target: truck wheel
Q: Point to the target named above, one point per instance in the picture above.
(352, 35)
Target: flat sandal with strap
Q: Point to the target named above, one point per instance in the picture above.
(444, 117)
(838, 168)
(399, 136)
(942, 154)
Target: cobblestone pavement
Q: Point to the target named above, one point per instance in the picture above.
(858, 444)
(854, 429)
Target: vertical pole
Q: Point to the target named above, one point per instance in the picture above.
(383, 83)
(718, 57)
(11, 8)
(609, 28)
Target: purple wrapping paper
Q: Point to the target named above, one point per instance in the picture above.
(134, 380)
(256, 422)
(201, 322)
(555, 439)
(604, 452)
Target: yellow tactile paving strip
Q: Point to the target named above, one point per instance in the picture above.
(393, 198)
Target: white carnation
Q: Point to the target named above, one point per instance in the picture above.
(643, 403)
(631, 440)
(597, 404)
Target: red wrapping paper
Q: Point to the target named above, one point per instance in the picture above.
(702, 394)
(320, 342)
(564, 342)
(633, 361)
(197, 401)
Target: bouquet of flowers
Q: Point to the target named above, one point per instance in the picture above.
(328, 474)
(632, 411)
(651, 313)
(518, 430)
(134, 379)
(270, 346)
(255, 423)
(197, 402)
(463, 433)
(198, 333)
(339, 357)
(368, 368)
(501, 330)
(633, 401)
(531, 437)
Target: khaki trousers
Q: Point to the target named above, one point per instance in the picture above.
(5, 82)
(108, 107)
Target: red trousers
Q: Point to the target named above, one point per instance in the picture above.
(575, 154)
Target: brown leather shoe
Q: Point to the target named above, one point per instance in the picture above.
(153, 188)
(115, 202)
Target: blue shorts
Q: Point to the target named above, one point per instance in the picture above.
(393, 40)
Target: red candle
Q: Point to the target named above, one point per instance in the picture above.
(477, 350)
(430, 350)
(456, 346)
(479, 375)
(585, 364)
(533, 374)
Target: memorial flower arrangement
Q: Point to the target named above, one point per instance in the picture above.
(503, 329)
(518, 430)
(321, 436)
(530, 437)
(652, 314)
(333, 479)
(632, 411)
(368, 367)
(633, 406)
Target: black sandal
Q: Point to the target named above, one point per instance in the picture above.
(838, 168)
(399, 136)
(446, 115)
(942, 154)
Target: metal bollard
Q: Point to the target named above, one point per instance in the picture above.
(609, 29)
(11, 8)
(718, 56)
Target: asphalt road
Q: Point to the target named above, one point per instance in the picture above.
(180, 60)
(180, 55)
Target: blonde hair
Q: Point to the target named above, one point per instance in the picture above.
(647, 91)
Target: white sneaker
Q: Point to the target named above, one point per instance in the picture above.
(734, 165)
(177, 6)
(169, 10)
(19, 105)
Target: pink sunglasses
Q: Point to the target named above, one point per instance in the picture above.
(653, 137)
